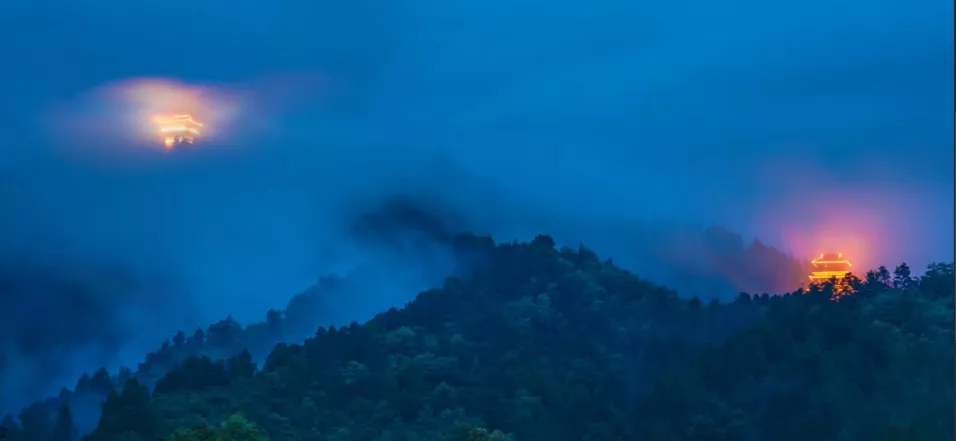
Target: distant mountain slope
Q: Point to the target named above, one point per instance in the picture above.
(76, 314)
(717, 261)
(549, 344)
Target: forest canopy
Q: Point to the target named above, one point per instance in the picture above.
(536, 342)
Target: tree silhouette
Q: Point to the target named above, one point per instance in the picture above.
(539, 343)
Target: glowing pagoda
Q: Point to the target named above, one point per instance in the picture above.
(829, 266)
(175, 130)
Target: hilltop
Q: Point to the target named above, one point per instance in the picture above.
(534, 342)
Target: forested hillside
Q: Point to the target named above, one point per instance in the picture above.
(540, 343)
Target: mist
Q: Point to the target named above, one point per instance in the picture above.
(625, 127)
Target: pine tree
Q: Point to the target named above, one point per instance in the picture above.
(64, 430)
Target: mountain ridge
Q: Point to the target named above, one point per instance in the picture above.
(519, 294)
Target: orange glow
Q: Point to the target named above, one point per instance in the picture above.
(177, 129)
(133, 114)
(161, 119)
(829, 265)
(841, 213)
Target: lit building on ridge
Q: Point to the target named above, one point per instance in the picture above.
(178, 129)
(829, 266)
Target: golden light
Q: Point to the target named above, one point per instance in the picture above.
(169, 114)
(112, 122)
(831, 266)
(179, 129)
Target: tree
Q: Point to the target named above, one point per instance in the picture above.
(557, 345)
(241, 366)
(238, 428)
(234, 428)
(64, 429)
(482, 434)
(883, 275)
(198, 338)
(126, 412)
(195, 434)
(10, 430)
(901, 276)
(179, 339)
(274, 322)
(225, 334)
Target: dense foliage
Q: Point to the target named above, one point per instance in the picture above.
(539, 343)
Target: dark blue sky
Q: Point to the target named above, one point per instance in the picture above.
(603, 111)
(812, 124)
